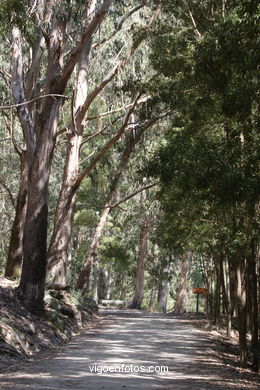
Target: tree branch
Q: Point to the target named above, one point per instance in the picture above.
(194, 24)
(90, 137)
(76, 52)
(32, 100)
(11, 132)
(103, 114)
(9, 193)
(120, 24)
(132, 195)
(6, 76)
(80, 114)
(106, 147)
(117, 204)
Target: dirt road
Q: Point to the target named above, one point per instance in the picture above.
(131, 341)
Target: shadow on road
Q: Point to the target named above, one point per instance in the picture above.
(126, 338)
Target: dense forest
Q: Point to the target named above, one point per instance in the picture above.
(129, 136)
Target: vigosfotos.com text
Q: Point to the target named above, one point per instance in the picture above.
(126, 368)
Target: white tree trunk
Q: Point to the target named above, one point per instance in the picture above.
(179, 306)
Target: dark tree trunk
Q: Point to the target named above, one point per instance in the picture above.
(252, 291)
(32, 284)
(242, 313)
(209, 297)
(229, 311)
(39, 135)
(217, 300)
(15, 255)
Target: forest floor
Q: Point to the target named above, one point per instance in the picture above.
(24, 335)
(126, 341)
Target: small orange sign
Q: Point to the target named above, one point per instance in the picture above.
(200, 291)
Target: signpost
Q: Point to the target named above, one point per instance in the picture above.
(198, 291)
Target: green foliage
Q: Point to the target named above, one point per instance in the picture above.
(209, 163)
(114, 252)
(86, 217)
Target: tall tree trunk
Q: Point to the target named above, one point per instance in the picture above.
(223, 285)
(95, 283)
(104, 284)
(39, 137)
(153, 291)
(139, 280)
(32, 284)
(163, 295)
(163, 289)
(242, 313)
(208, 280)
(217, 300)
(229, 310)
(103, 280)
(254, 324)
(57, 261)
(15, 253)
(61, 235)
(179, 306)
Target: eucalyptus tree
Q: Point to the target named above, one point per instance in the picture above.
(38, 109)
(119, 51)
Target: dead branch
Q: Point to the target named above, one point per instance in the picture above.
(90, 137)
(54, 95)
(107, 113)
